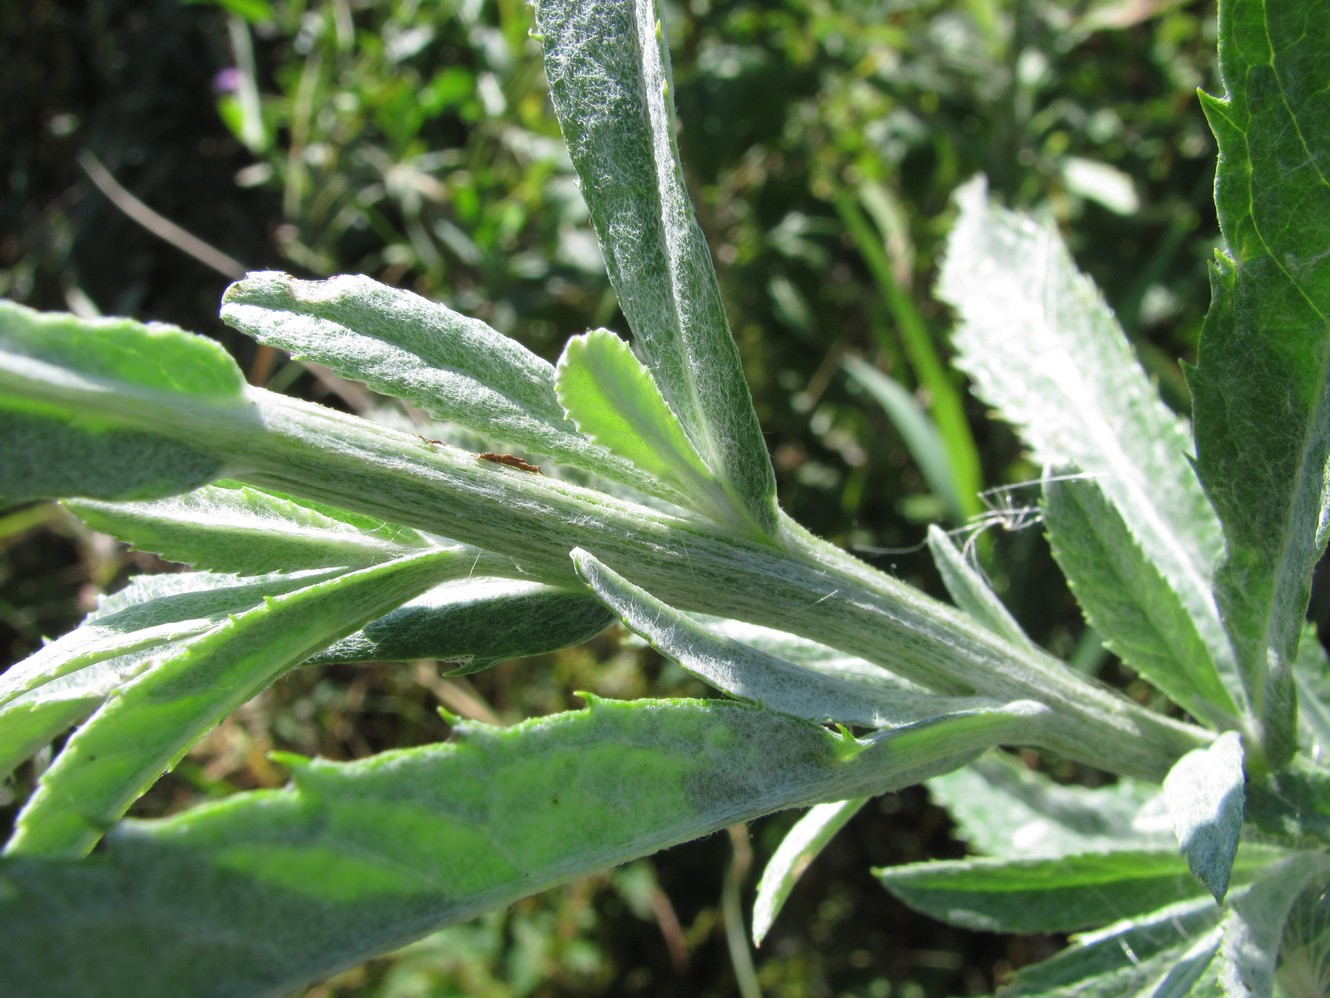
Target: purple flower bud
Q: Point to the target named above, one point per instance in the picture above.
(227, 81)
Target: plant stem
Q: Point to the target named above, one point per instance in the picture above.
(804, 585)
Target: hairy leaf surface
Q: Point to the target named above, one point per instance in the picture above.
(613, 401)
(77, 404)
(1163, 954)
(1061, 894)
(265, 891)
(474, 623)
(153, 720)
(1043, 349)
(1205, 799)
(1261, 387)
(1002, 808)
(1127, 600)
(152, 612)
(792, 857)
(608, 69)
(233, 528)
(455, 368)
(970, 592)
(1254, 924)
(752, 674)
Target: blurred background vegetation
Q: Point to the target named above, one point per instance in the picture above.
(152, 150)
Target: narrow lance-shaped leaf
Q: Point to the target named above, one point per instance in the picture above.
(1266, 339)
(1162, 954)
(1003, 809)
(752, 674)
(802, 651)
(229, 527)
(455, 368)
(613, 401)
(1205, 800)
(473, 623)
(792, 857)
(32, 720)
(969, 590)
(1124, 597)
(608, 71)
(1061, 894)
(53, 443)
(1042, 348)
(152, 611)
(1254, 924)
(266, 891)
(151, 722)
(33, 723)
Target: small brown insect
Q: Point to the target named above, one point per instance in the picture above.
(429, 441)
(509, 460)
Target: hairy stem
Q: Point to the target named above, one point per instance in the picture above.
(799, 584)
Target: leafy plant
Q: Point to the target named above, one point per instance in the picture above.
(616, 488)
(372, 105)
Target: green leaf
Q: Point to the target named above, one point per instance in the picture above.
(970, 592)
(272, 889)
(152, 721)
(1004, 809)
(801, 651)
(1162, 954)
(1062, 894)
(295, 448)
(474, 624)
(149, 613)
(1292, 804)
(613, 400)
(253, 11)
(1303, 968)
(1311, 675)
(456, 368)
(1205, 800)
(78, 400)
(1124, 597)
(400, 344)
(1254, 924)
(751, 674)
(1044, 350)
(151, 620)
(30, 724)
(608, 70)
(1266, 340)
(232, 528)
(794, 855)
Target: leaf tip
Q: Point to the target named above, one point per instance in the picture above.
(453, 721)
(592, 700)
(293, 761)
